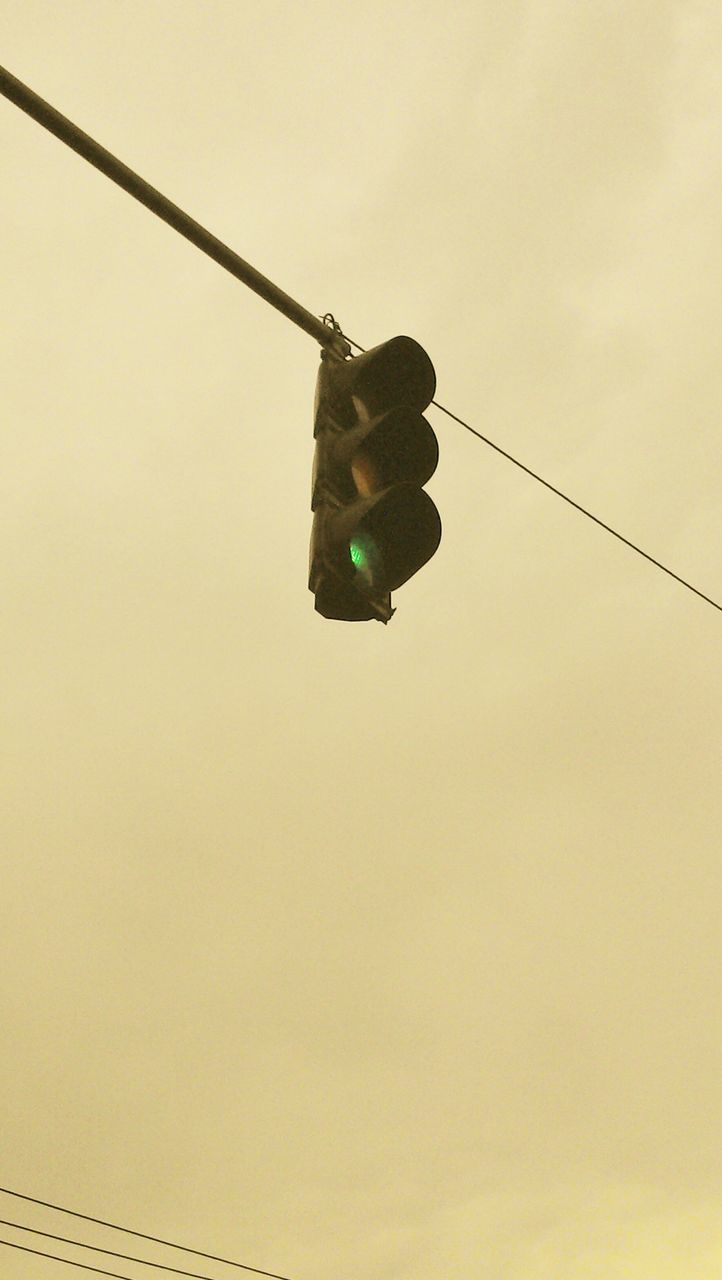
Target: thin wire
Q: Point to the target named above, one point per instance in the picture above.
(199, 1253)
(566, 498)
(583, 510)
(100, 1271)
(96, 1248)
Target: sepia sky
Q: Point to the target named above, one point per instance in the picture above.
(347, 951)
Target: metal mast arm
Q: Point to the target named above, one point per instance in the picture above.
(159, 204)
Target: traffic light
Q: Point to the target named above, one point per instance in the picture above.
(374, 526)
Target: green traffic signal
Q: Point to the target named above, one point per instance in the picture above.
(365, 556)
(374, 526)
(393, 538)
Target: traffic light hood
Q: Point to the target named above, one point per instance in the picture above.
(378, 543)
(396, 373)
(394, 448)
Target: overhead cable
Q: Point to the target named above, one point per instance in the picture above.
(141, 1235)
(100, 1271)
(614, 532)
(111, 1253)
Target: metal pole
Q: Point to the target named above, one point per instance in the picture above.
(136, 186)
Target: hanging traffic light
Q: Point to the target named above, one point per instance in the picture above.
(374, 526)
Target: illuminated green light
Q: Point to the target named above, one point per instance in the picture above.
(366, 556)
(357, 555)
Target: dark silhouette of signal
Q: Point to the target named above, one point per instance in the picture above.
(374, 525)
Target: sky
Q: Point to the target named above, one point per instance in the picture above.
(343, 950)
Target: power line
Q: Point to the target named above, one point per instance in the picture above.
(329, 335)
(96, 1248)
(548, 485)
(100, 1271)
(141, 1235)
(579, 507)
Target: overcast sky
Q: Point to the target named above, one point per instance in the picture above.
(357, 952)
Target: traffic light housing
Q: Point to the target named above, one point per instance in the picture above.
(374, 525)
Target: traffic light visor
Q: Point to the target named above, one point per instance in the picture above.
(394, 538)
(398, 372)
(400, 447)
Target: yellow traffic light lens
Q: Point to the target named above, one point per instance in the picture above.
(365, 474)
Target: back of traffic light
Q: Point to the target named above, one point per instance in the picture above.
(374, 525)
